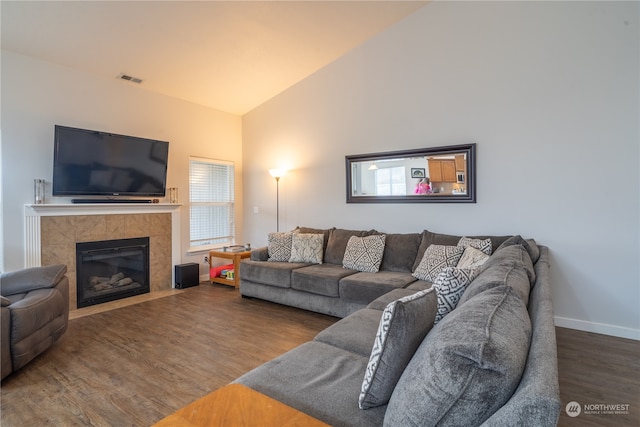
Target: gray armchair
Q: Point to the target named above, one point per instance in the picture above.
(35, 313)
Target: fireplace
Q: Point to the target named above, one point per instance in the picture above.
(108, 270)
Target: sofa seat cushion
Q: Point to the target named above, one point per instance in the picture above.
(365, 287)
(321, 279)
(354, 333)
(269, 272)
(382, 301)
(469, 365)
(508, 266)
(320, 380)
(420, 285)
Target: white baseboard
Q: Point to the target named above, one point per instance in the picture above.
(204, 277)
(598, 328)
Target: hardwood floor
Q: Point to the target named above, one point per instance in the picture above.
(134, 365)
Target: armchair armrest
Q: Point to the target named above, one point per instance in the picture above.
(30, 279)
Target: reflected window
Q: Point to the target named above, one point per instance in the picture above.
(390, 181)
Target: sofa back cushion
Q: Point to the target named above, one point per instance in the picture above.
(400, 252)
(337, 243)
(468, 366)
(509, 266)
(429, 238)
(309, 230)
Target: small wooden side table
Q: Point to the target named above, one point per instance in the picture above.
(236, 257)
(238, 406)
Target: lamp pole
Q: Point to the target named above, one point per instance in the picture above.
(277, 203)
(277, 174)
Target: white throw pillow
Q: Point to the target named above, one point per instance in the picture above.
(279, 246)
(435, 258)
(450, 285)
(472, 257)
(306, 248)
(364, 253)
(482, 245)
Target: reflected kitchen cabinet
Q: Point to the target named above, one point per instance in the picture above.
(460, 163)
(442, 170)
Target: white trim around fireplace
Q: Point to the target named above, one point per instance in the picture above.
(33, 213)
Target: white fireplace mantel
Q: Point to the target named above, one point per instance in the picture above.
(34, 212)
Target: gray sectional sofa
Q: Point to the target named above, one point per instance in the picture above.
(490, 361)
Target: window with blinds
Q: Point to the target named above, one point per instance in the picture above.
(212, 201)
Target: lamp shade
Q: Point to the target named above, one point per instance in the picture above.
(277, 173)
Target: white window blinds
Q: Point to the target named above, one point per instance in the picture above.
(212, 201)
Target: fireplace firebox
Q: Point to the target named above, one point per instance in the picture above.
(108, 270)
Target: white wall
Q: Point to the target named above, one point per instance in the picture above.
(36, 95)
(548, 91)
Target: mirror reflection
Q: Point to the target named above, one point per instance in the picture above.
(441, 174)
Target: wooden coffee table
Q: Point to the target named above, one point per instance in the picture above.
(236, 405)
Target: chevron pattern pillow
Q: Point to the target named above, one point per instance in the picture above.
(472, 257)
(279, 246)
(403, 325)
(482, 245)
(364, 253)
(436, 258)
(450, 285)
(306, 248)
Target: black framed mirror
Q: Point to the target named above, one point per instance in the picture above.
(424, 175)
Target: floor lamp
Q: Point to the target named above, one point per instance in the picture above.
(277, 174)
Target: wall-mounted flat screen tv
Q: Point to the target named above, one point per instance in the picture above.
(94, 163)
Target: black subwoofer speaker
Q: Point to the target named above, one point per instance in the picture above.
(187, 275)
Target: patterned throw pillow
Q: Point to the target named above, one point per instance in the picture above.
(482, 245)
(306, 248)
(364, 253)
(403, 325)
(279, 246)
(450, 285)
(435, 258)
(472, 257)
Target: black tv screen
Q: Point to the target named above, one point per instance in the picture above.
(93, 163)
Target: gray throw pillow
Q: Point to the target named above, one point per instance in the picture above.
(468, 366)
(403, 325)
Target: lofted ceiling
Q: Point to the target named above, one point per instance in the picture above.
(227, 55)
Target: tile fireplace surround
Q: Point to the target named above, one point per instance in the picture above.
(52, 231)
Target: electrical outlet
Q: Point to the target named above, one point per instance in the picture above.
(205, 259)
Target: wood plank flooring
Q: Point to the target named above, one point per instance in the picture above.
(133, 366)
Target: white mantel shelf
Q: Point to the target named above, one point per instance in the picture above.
(99, 208)
(33, 213)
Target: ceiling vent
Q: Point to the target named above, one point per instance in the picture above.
(129, 78)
